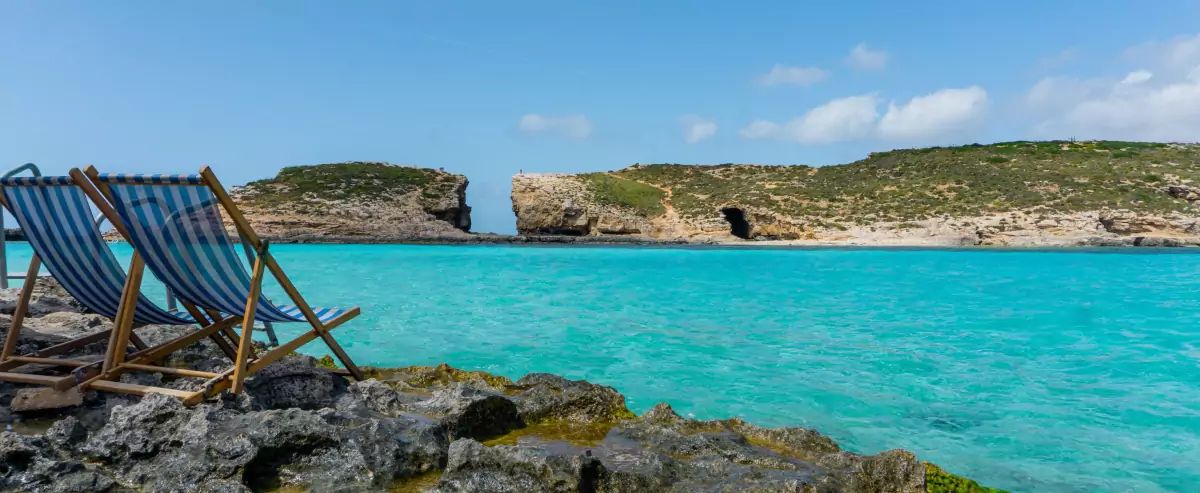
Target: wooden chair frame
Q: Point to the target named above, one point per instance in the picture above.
(83, 370)
(246, 363)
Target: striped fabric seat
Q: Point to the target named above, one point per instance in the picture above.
(175, 223)
(57, 220)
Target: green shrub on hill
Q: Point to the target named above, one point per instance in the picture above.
(345, 181)
(615, 190)
(916, 184)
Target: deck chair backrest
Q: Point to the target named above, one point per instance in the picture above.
(55, 216)
(175, 222)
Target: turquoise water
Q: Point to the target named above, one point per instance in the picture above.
(1032, 371)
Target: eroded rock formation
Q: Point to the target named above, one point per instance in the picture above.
(1009, 194)
(357, 202)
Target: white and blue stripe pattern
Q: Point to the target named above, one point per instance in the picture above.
(29, 181)
(177, 228)
(57, 219)
(126, 178)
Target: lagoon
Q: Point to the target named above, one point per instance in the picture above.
(1062, 370)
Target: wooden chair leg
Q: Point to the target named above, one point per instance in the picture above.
(239, 369)
(18, 317)
(123, 323)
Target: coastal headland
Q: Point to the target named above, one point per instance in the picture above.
(1014, 194)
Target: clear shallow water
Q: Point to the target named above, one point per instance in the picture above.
(1031, 371)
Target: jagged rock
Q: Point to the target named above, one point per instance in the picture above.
(297, 382)
(161, 445)
(465, 410)
(472, 467)
(1155, 241)
(355, 202)
(562, 205)
(67, 433)
(68, 325)
(662, 451)
(30, 464)
(371, 395)
(1127, 222)
(48, 297)
(733, 455)
(440, 376)
(1187, 192)
(545, 396)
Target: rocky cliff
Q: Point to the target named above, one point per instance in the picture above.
(1014, 193)
(357, 201)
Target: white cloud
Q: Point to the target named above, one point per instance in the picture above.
(940, 114)
(696, 129)
(1057, 93)
(760, 129)
(937, 114)
(1177, 56)
(837, 120)
(1137, 77)
(1142, 105)
(862, 57)
(1164, 112)
(795, 76)
(570, 126)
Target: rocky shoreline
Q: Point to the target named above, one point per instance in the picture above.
(635, 240)
(302, 426)
(550, 205)
(1019, 194)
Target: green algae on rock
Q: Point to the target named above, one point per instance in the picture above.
(938, 480)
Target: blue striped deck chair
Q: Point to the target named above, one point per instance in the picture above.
(54, 213)
(175, 224)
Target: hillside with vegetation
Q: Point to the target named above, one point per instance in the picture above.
(964, 195)
(357, 201)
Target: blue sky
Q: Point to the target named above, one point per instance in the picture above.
(490, 88)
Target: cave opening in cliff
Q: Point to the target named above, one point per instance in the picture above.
(738, 225)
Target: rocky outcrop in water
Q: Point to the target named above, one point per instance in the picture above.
(1007, 194)
(301, 425)
(357, 202)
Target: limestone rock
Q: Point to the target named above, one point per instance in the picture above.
(561, 205)
(357, 201)
(544, 396)
(472, 467)
(294, 382)
(161, 445)
(465, 410)
(48, 297)
(31, 464)
(992, 195)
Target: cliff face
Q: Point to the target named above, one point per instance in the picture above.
(1017, 193)
(357, 201)
(564, 205)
